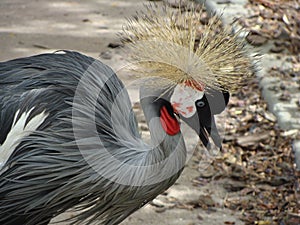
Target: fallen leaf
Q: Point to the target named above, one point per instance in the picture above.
(262, 222)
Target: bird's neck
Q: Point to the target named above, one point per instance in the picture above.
(164, 127)
(166, 156)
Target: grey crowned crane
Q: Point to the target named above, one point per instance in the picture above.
(69, 138)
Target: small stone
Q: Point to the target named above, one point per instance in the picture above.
(256, 39)
(115, 45)
(103, 27)
(223, 2)
(274, 88)
(282, 34)
(295, 44)
(277, 49)
(143, 127)
(177, 3)
(285, 96)
(282, 86)
(106, 55)
(200, 217)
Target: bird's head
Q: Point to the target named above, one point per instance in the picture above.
(196, 65)
(188, 103)
(197, 108)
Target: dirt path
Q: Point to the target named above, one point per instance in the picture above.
(38, 26)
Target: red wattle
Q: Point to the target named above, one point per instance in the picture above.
(169, 123)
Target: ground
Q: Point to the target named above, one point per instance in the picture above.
(91, 27)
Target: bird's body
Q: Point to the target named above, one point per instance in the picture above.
(47, 173)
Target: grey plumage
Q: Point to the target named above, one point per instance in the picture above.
(76, 158)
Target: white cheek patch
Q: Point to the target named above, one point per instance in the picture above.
(184, 98)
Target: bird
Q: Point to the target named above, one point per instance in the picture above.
(69, 138)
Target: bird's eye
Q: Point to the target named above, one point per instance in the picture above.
(200, 103)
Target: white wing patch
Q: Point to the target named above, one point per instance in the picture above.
(18, 131)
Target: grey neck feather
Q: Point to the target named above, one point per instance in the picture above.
(152, 99)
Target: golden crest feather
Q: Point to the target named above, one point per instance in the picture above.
(176, 46)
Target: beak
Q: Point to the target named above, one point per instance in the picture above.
(205, 126)
(209, 128)
(203, 121)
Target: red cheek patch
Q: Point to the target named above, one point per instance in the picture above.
(169, 123)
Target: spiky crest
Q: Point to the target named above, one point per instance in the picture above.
(176, 46)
